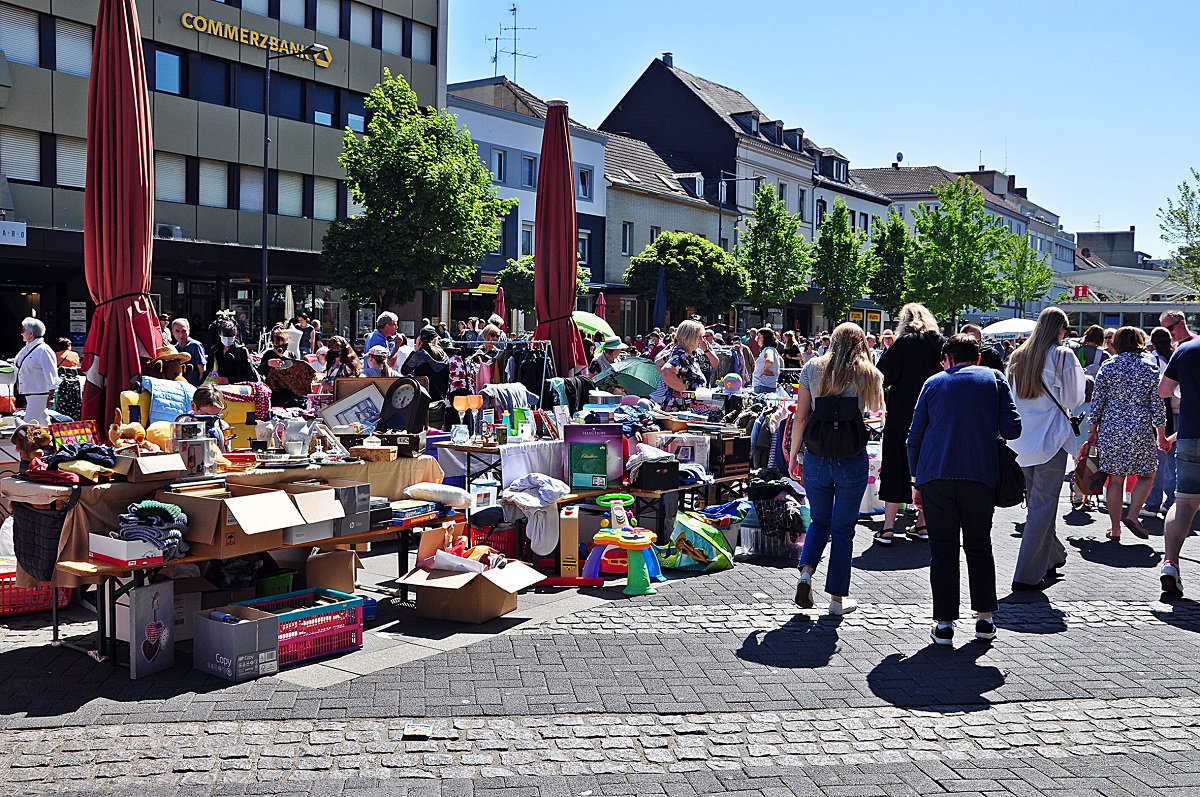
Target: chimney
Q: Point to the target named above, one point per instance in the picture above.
(1132, 228)
(981, 167)
(668, 59)
(895, 166)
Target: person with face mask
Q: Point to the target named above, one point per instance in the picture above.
(229, 358)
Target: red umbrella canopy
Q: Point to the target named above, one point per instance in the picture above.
(601, 304)
(118, 212)
(499, 309)
(556, 260)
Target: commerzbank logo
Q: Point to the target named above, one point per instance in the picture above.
(223, 30)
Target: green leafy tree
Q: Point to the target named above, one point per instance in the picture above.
(843, 265)
(891, 246)
(957, 253)
(430, 212)
(1025, 276)
(516, 279)
(1180, 225)
(773, 252)
(699, 274)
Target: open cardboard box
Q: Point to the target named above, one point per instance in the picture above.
(236, 651)
(320, 508)
(465, 597)
(247, 520)
(150, 467)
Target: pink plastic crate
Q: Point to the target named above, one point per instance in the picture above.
(309, 629)
(26, 600)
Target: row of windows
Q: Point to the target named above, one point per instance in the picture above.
(583, 243)
(27, 37)
(584, 184)
(356, 22)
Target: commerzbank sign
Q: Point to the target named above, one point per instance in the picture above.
(253, 38)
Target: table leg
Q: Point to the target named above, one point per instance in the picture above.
(402, 538)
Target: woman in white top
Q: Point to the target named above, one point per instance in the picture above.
(37, 371)
(1047, 382)
(767, 364)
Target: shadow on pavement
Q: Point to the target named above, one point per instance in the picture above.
(1029, 613)
(938, 678)
(803, 642)
(902, 554)
(1183, 613)
(1116, 554)
(1078, 517)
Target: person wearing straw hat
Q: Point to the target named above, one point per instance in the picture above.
(610, 351)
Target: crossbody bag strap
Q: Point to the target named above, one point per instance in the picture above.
(1061, 409)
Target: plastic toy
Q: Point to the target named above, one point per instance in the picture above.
(642, 568)
(732, 383)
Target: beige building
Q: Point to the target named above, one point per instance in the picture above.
(204, 64)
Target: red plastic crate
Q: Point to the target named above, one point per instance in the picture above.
(308, 630)
(26, 600)
(503, 540)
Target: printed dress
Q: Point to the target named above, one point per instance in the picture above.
(1126, 409)
(689, 373)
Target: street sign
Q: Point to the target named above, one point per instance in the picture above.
(1081, 291)
(12, 233)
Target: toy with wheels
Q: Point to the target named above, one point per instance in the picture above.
(642, 562)
(615, 561)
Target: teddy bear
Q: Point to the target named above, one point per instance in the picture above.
(32, 441)
(169, 363)
(125, 435)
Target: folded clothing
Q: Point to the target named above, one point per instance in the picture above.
(87, 470)
(161, 525)
(88, 452)
(37, 471)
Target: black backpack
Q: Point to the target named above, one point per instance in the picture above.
(835, 429)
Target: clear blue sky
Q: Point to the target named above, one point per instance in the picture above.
(1095, 100)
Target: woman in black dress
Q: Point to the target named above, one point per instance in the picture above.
(913, 358)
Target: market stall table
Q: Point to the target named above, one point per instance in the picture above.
(101, 504)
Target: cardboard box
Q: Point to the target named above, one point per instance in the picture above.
(189, 599)
(336, 570)
(354, 496)
(319, 507)
(236, 651)
(150, 467)
(112, 551)
(470, 597)
(211, 599)
(351, 524)
(568, 541)
(658, 475)
(248, 520)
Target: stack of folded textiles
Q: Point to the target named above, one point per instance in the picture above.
(161, 525)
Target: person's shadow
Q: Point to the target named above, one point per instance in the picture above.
(1116, 554)
(1183, 613)
(804, 642)
(1029, 613)
(902, 554)
(937, 678)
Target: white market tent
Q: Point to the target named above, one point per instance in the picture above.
(1010, 328)
(1127, 284)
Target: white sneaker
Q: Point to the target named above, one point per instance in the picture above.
(1172, 584)
(844, 606)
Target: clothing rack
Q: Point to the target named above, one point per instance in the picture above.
(515, 343)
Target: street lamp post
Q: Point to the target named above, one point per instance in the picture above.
(721, 198)
(310, 50)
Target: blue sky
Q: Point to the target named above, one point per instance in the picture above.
(1095, 102)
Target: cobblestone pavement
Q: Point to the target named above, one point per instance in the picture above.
(716, 685)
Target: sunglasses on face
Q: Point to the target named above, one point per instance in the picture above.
(1171, 327)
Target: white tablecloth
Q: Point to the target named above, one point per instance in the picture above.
(516, 460)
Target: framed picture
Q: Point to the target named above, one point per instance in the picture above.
(363, 406)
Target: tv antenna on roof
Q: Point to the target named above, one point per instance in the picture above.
(514, 52)
(899, 157)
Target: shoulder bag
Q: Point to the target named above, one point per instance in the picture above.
(835, 429)
(1010, 482)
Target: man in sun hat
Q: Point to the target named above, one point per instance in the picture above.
(608, 353)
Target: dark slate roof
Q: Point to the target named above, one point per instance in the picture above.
(919, 181)
(726, 103)
(852, 184)
(636, 164)
(526, 102)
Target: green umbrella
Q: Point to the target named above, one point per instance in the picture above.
(591, 323)
(637, 375)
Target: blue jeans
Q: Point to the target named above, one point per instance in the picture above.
(1162, 492)
(835, 490)
(764, 388)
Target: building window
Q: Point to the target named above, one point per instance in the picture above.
(20, 152)
(654, 233)
(214, 80)
(393, 34)
(801, 196)
(72, 162)
(783, 194)
(214, 183)
(853, 220)
(250, 88)
(292, 12)
(72, 48)
(584, 187)
(584, 247)
(19, 35)
(526, 239)
(324, 198)
(260, 7)
(168, 72)
(361, 24)
(725, 244)
(290, 194)
(626, 237)
(422, 43)
(329, 17)
(499, 165)
(356, 122)
(900, 210)
(170, 177)
(820, 211)
(287, 97)
(250, 190)
(864, 220)
(353, 206)
(324, 100)
(528, 171)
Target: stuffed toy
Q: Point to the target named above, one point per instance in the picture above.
(124, 435)
(32, 441)
(159, 434)
(168, 363)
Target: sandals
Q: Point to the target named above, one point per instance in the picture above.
(914, 533)
(1114, 537)
(879, 539)
(1135, 525)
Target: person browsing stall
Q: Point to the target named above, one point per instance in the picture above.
(429, 360)
(679, 372)
(612, 350)
(377, 357)
(229, 358)
(181, 330)
(37, 371)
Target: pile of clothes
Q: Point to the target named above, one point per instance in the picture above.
(158, 524)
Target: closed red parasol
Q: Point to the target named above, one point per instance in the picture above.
(499, 308)
(118, 212)
(556, 259)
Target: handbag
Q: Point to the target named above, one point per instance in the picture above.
(835, 430)
(36, 536)
(1010, 482)
(1088, 477)
(1076, 421)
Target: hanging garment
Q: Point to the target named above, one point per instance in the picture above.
(534, 497)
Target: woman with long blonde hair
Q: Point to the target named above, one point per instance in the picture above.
(1047, 382)
(842, 376)
(915, 356)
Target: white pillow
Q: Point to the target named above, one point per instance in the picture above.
(447, 494)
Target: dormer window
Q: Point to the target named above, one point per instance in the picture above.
(753, 124)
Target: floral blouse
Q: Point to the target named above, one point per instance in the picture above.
(688, 369)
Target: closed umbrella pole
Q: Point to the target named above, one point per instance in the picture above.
(118, 212)
(556, 260)
(660, 300)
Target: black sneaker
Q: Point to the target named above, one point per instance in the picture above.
(985, 630)
(942, 634)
